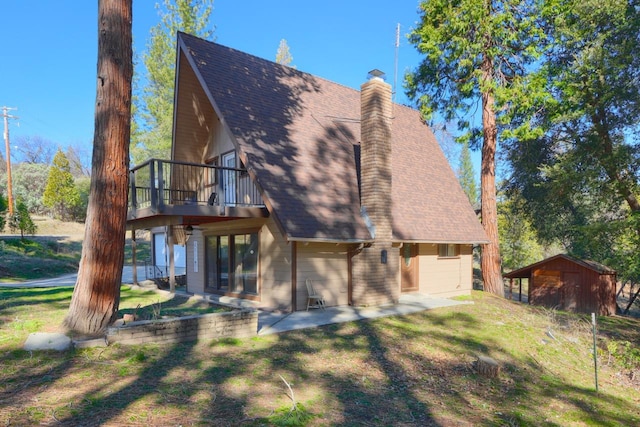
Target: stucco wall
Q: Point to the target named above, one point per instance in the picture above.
(445, 277)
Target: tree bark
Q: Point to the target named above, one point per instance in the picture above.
(96, 296)
(490, 261)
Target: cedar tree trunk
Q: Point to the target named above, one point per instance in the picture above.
(490, 262)
(96, 296)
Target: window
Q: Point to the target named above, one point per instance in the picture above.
(232, 263)
(406, 252)
(447, 250)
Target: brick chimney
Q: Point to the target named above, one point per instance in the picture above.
(375, 153)
(375, 268)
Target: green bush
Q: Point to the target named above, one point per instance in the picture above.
(625, 354)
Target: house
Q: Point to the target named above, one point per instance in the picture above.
(278, 176)
(571, 284)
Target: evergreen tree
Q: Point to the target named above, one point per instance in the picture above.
(154, 104)
(21, 220)
(477, 56)
(283, 55)
(579, 179)
(518, 242)
(467, 175)
(60, 194)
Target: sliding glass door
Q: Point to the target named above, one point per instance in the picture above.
(232, 263)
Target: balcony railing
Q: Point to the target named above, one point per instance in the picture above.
(158, 184)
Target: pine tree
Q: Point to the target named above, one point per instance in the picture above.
(467, 175)
(154, 105)
(21, 220)
(283, 55)
(477, 56)
(579, 178)
(60, 193)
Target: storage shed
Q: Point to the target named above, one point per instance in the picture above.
(571, 284)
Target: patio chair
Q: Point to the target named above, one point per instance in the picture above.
(314, 299)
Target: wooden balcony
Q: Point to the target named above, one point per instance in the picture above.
(164, 192)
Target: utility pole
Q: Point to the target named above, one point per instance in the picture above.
(7, 116)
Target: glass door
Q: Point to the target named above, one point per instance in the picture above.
(229, 178)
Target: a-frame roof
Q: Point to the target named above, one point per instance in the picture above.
(525, 272)
(299, 137)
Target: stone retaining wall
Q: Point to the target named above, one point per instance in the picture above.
(236, 324)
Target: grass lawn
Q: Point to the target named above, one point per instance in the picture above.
(415, 370)
(36, 257)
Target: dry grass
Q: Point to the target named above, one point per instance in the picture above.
(415, 370)
(55, 250)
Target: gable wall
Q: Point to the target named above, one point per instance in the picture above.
(219, 141)
(445, 277)
(194, 117)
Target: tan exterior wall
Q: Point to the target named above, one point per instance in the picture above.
(219, 141)
(275, 268)
(326, 264)
(445, 277)
(274, 271)
(195, 279)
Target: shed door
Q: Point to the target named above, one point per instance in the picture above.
(571, 290)
(409, 267)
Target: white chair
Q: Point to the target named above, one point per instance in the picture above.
(314, 299)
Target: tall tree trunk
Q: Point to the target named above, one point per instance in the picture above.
(490, 261)
(97, 292)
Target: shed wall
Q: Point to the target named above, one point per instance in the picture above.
(566, 285)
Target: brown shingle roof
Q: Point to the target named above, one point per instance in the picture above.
(525, 272)
(299, 136)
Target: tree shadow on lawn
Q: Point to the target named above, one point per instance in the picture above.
(23, 377)
(328, 380)
(177, 306)
(390, 371)
(520, 395)
(104, 403)
(53, 298)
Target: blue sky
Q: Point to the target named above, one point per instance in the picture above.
(50, 50)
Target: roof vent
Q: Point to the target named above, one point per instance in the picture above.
(376, 74)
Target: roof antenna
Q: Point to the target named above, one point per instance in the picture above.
(395, 72)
